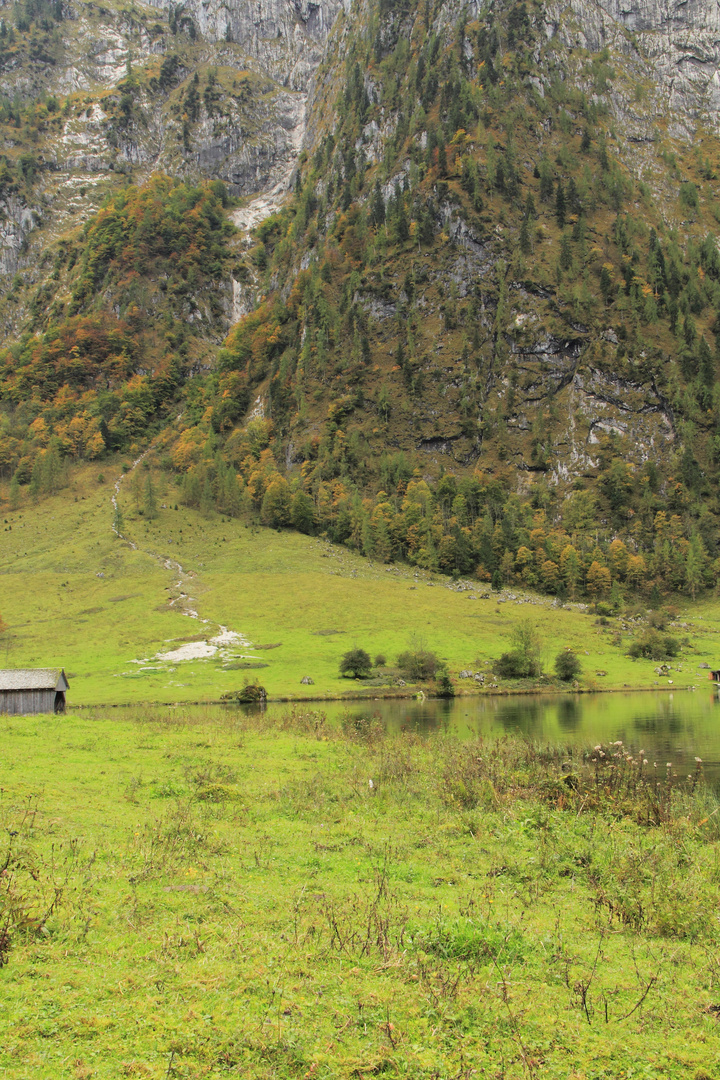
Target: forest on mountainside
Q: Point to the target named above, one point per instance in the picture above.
(465, 252)
(113, 357)
(540, 183)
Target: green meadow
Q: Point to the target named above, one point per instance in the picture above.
(196, 892)
(75, 595)
(359, 905)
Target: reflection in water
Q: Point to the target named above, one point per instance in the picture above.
(569, 713)
(522, 715)
(657, 724)
(668, 727)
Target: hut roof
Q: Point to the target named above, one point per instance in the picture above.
(33, 679)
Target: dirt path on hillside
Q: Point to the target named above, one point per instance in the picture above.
(220, 641)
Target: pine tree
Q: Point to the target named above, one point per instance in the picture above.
(191, 489)
(706, 364)
(560, 205)
(606, 285)
(232, 500)
(149, 501)
(490, 164)
(573, 199)
(525, 242)
(546, 182)
(400, 226)
(206, 499)
(695, 564)
(377, 213)
(426, 232)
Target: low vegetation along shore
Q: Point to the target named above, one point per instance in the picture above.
(361, 905)
(188, 608)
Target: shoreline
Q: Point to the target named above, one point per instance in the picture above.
(285, 700)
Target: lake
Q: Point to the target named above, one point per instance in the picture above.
(673, 727)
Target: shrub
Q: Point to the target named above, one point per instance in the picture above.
(567, 665)
(517, 665)
(523, 661)
(251, 693)
(380, 660)
(654, 646)
(418, 664)
(689, 195)
(445, 688)
(357, 663)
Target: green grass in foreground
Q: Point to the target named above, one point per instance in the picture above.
(480, 909)
(73, 594)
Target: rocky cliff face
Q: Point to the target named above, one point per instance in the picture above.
(496, 319)
(122, 80)
(284, 38)
(675, 47)
(502, 351)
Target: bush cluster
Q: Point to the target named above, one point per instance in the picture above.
(417, 664)
(654, 645)
(517, 665)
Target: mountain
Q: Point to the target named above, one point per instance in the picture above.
(441, 280)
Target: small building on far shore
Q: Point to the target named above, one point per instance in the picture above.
(32, 690)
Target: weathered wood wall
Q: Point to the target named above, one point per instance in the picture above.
(24, 702)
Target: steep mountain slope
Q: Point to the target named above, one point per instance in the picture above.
(480, 333)
(501, 256)
(93, 95)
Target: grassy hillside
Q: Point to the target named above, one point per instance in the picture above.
(170, 909)
(77, 595)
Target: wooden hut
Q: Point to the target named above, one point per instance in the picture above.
(33, 690)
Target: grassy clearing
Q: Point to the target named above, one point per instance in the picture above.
(171, 910)
(76, 595)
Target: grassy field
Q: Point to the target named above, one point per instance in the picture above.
(75, 595)
(361, 905)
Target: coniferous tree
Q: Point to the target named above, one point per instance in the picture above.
(377, 212)
(546, 181)
(606, 285)
(560, 206)
(149, 502)
(706, 364)
(401, 228)
(525, 243)
(206, 499)
(695, 564)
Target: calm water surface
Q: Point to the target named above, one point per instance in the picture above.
(674, 727)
